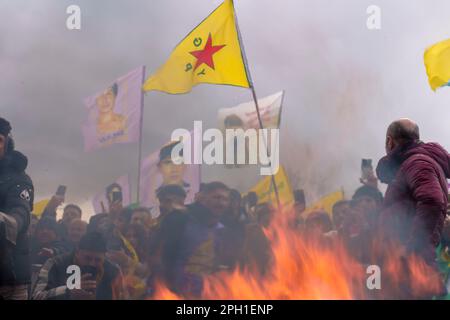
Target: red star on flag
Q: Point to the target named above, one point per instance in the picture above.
(206, 55)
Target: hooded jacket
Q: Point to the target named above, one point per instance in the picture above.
(416, 199)
(52, 281)
(16, 200)
(190, 248)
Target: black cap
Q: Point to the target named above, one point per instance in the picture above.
(299, 196)
(112, 187)
(115, 89)
(93, 241)
(166, 151)
(368, 191)
(5, 127)
(174, 189)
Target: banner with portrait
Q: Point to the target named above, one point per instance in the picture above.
(244, 116)
(114, 113)
(158, 170)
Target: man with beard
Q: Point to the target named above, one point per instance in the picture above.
(192, 241)
(415, 203)
(100, 279)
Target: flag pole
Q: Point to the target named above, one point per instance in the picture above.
(281, 108)
(261, 126)
(141, 122)
(255, 99)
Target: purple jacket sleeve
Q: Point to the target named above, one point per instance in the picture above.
(422, 179)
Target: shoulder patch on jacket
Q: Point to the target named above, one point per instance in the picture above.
(25, 195)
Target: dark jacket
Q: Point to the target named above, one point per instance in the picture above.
(415, 203)
(234, 239)
(52, 280)
(58, 248)
(190, 248)
(16, 200)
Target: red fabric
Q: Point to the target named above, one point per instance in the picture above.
(415, 203)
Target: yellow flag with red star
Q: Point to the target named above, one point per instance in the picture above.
(211, 53)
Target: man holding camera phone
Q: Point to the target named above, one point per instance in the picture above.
(99, 278)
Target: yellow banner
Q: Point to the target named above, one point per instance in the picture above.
(38, 207)
(265, 191)
(326, 203)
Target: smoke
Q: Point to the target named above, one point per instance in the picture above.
(344, 84)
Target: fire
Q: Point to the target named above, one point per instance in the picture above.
(408, 276)
(163, 293)
(312, 269)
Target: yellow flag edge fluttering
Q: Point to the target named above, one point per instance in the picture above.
(433, 64)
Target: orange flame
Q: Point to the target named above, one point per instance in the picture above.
(311, 269)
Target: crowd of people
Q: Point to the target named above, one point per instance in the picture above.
(132, 251)
(127, 252)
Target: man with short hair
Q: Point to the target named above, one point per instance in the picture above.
(71, 212)
(370, 196)
(367, 200)
(339, 211)
(415, 202)
(170, 197)
(141, 216)
(46, 242)
(192, 240)
(16, 204)
(77, 229)
(100, 279)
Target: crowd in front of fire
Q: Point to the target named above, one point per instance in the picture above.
(127, 252)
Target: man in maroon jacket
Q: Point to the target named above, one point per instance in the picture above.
(415, 203)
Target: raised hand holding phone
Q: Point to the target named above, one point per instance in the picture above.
(367, 175)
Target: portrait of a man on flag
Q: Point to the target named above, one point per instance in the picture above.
(114, 113)
(159, 170)
(108, 121)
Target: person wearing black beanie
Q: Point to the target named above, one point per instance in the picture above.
(99, 278)
(16, 204)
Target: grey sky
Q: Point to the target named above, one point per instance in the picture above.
(344, 84)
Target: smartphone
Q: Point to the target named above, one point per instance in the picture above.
(366, 168)
(299, 196)
(89, 270)
(61, 191)
(252, 199)
(117, 196)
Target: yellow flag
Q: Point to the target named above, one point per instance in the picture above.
(326, 203)
(265, 191)
(38, 207)
(437, 64)
(211, 53)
